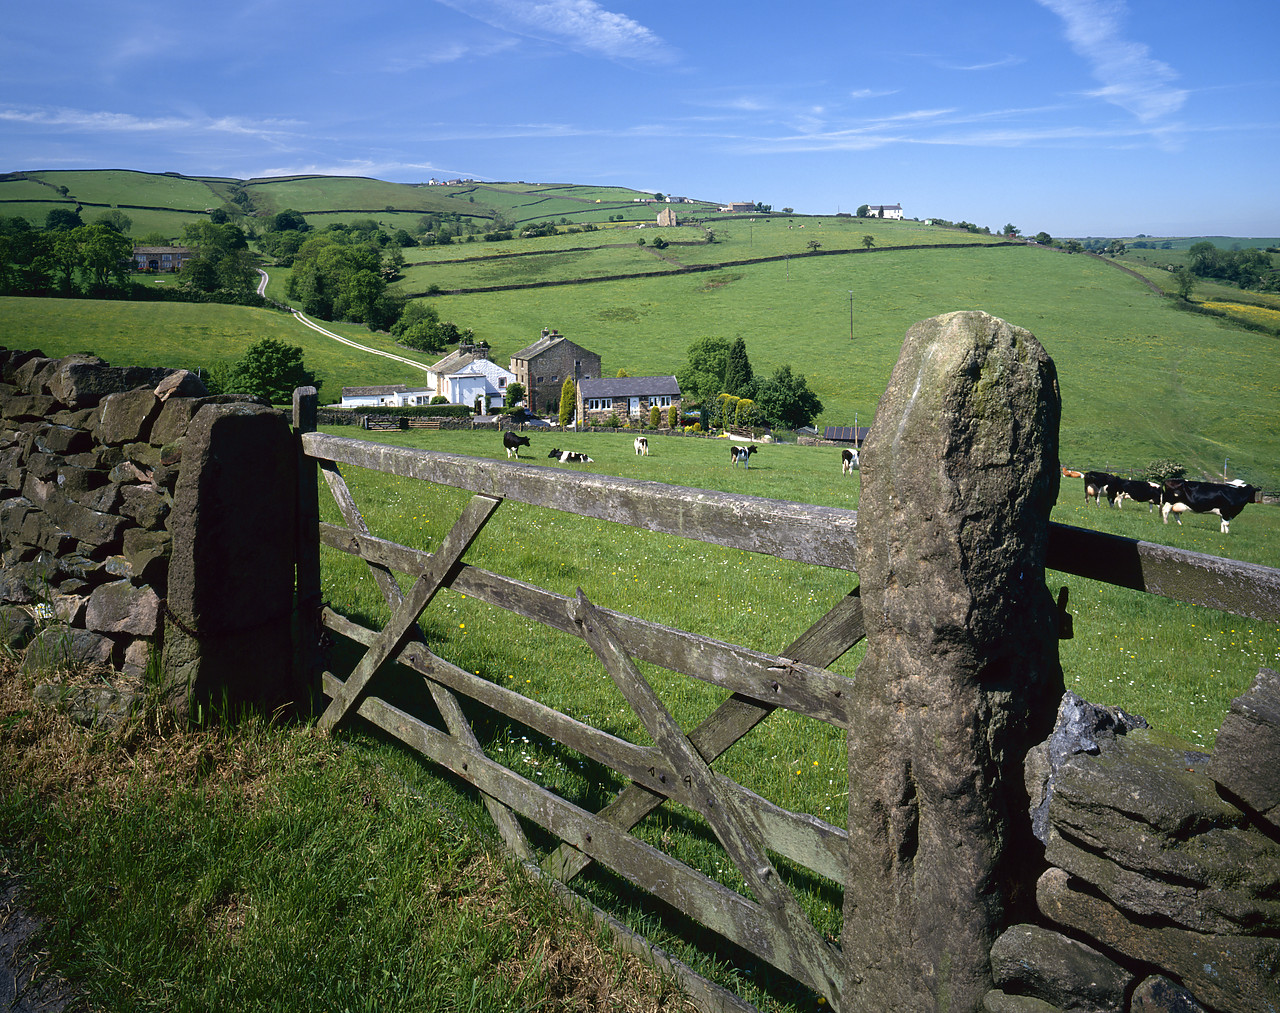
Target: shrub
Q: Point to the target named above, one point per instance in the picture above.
(655, 417)
(1162, 469)
(673, 417)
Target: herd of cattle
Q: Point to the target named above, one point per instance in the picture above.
(1173, 496)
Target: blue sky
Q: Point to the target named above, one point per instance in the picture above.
(1077, 117)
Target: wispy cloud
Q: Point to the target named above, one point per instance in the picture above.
(114, 122)
(1008, 61)
(864, 93)
(582, 25)
(449, 52)
(1130, 77)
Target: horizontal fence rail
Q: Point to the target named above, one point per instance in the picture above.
(761, 525)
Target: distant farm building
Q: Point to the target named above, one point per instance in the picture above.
(741, 205)
(666, 217)
(467, 374)
(543, 366)
(884, 210)
(627, 397)
(394, 395)
(161, 259)
(855, 435)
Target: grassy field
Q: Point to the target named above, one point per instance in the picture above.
(187, 336)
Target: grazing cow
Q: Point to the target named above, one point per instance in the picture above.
(1098, 483)
(570, 457)
(513, 442)
(741, 455)
(848, 461)
(1225, 500)
(1139, 492)
(642, 446)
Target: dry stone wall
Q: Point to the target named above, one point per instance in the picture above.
(91, 457)
(1163, 886)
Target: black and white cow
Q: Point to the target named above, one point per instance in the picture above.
(1098, 484)
(848, 461)
(1225, 500)
(642, 446)
(741, 455)
(570, 457)
(1139, 492)
(513, 442)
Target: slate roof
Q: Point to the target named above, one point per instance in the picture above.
(538, 347)
(630, 386)
(846, 434)
(394, 388)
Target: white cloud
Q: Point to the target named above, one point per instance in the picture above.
(1130, 77)
(582, 25)
(114, 122)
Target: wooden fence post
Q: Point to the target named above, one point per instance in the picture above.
(961, 674)
(307, 597)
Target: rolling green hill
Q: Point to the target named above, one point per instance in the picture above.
(1140, 380)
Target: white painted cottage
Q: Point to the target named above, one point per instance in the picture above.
(468, 373)
(393, 395)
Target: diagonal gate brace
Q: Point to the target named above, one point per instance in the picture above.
(402, 626)
(735, 826)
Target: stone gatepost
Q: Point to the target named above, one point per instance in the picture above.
(961, 675)
(227, 637)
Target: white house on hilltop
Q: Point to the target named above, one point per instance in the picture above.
(884, 210)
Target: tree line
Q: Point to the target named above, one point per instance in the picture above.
(718, 378)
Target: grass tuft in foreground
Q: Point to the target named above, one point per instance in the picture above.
(257, 866)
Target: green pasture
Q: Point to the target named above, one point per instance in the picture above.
(310, 194)
(1177, 665)
(22, 188)
(187, 336)
(1140, 380)
(126, 186)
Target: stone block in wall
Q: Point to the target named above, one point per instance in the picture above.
(1246, 757)
(95, 706)
(120, 607)
(39, 490)
(32, 375)
(146, 504)
(69, 608)
(1144, 825)
(12, 359)
(61, 648)
(177, 413)
(28, 407)
(127, 417)
(82, 382)
(16, 627)
(81, 418)
(105, 499)
(997, 1001)
(181, 383)
(102, 532)
(62, 440)
(1237, 973)
(1159, 994)
(1034, 961)
(148, 555)
(77, 483)
(137, 658)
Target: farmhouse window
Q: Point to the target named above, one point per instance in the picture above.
(598, 403)
(661, 400)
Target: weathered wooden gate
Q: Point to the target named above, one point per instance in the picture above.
(679, 766)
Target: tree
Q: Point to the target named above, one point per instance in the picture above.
(115, 219)
(702, 377)
(104, 252)
(738, 375)
(419, 327)
(568, 400)
(1185, 281)
(813, 245)
(868, 242)
(788, 211)
(514, 394)
(1116, 248)
(288, 219)
(271, 370)
(655, 416)
(673, 416)
(1011, 230)
(785, 399)
(864, 210)
(62, 220)
(1044, 238)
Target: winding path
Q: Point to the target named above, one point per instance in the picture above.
(298, 315)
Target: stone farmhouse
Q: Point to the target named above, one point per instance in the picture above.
(736, 206)
(542, 367)
(394, 395)
(469, 373)
(160, 259)
(667, 217)
(884, 210)
(629, 397)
